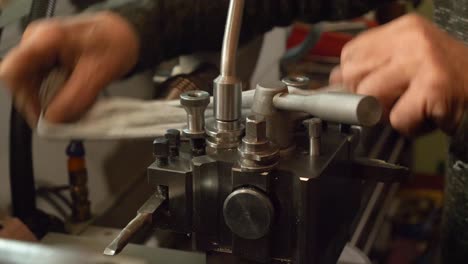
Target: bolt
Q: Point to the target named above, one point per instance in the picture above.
(173, 137)
(161, 151)
(255, 128)
(198, 146)
(314, 127)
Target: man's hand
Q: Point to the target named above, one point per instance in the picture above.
(13, 228)
(95, 49)
(417, 71)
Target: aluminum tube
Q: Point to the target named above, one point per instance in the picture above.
(336, 107)
(231, 38)
(227, 100)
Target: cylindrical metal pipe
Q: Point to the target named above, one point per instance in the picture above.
(227, 100)
(342, 108)
(231, 38)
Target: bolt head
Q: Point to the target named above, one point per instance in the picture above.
(255, 128)
(173, 137)
(161, 147)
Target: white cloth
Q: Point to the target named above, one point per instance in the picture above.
(121, 118)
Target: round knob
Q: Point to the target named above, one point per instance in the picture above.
(248, 213)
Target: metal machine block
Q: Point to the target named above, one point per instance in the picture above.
(176, 178)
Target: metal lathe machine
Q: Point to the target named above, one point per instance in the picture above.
(281, 184)
(273, 177)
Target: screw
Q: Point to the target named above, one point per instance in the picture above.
(161, 151)
(255, 129)
(198, 146)
(173, 137)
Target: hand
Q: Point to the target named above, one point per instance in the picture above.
(13, 228)
(416, 70)
(95, 49)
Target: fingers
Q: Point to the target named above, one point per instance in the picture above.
(408, 114)
(386, 83)
(335, 76)
(27, 105)
(80, 91)
(23, 68)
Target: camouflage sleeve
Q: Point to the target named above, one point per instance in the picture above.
(455, 218)
(170, 28)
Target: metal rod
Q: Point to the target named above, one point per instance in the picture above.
(231, 38)
(374, 153)
(342, 108)
(399, 146)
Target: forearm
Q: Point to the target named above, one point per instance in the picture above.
(170, 28)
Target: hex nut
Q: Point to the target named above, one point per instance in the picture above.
(255, 128)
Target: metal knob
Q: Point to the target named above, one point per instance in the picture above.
(257, 152)
(248, 213)
(195, 103)
(314, 128)
(161, 150)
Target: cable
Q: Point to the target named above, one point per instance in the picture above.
(23, 193)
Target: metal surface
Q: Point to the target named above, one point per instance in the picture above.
(88, 246)
(248, 213)
(195, 103)
(342, 108)
(144, 216)
(26, 253)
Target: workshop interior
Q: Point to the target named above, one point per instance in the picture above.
(256, 159)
